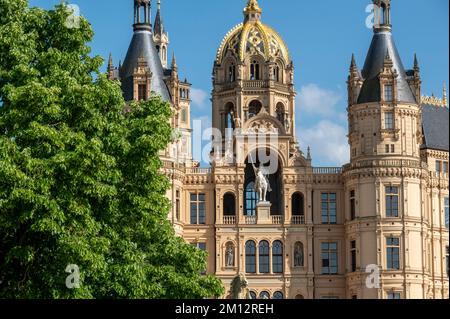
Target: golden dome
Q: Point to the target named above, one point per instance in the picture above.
(252, 38)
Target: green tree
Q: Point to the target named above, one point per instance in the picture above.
(80, 178)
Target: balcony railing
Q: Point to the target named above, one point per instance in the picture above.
(255, 84)
(250, 220)
(327, 170)
(298, 220)
(229, 220)
(277, 220)
(386, 163)
(198, 170)
(439, 175)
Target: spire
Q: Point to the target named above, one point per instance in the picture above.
(416, 63)
(174, 62)
(110, 61)
(354, 72)
(158, 25)
(444, 96)
(252, 11)
(110, 69)
(174, 68)
(387, 59)
(353, 63)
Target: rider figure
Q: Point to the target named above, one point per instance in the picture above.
(262, 185)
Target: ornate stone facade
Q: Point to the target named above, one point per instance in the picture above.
(329, 231)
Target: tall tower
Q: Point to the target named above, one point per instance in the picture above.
(253, 81)
(161, 37)
(253, 108)
(386, 223)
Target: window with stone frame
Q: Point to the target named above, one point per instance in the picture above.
(329, 257)
(393, 253)
(198, 209)
(388, 93)
(389, 123)
(392, 201)
(329, 208)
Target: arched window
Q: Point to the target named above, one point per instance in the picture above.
(229, 205)
(253, 295)
(264, 295)
(299, 255)
(250, 257)
(231, 76)
(251, 198)
(278, 295)
(299, 297)
(298, 205)
(276, 74)
(254, 71)
(280, 113)
(264, 251)
(277, 257)
(254, 108)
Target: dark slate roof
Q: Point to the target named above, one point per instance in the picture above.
(435, 127)
(382, 43)
(142, 45)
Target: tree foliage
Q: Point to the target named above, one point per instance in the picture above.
(80, 178)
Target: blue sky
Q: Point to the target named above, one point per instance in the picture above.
(321, 36)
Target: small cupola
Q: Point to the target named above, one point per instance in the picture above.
(142, 15)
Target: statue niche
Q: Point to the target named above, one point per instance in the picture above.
(229, 255)
(299, 259)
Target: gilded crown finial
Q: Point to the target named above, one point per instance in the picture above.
(252, 7)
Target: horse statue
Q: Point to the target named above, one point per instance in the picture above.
(239, 288)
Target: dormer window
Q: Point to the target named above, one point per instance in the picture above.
(254, 71)
(388, 93)
(142, 92)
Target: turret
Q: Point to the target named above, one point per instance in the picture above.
(142, 58)
(161, 37)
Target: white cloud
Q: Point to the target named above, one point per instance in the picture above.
(328, 142)
(199, 97)
(314, 99)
